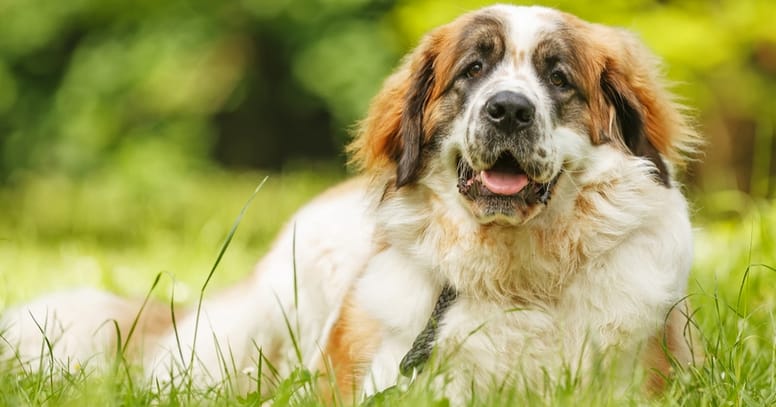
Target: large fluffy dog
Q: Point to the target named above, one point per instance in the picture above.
(520, 159)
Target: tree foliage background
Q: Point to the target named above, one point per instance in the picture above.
(158, 88)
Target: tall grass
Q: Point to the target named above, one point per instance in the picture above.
(95, 234)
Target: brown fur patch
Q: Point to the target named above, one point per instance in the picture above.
(408, 111)
(382, 138)
(352, 343)
(676, 344)
(630, 75)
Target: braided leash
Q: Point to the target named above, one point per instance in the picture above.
(413, 362)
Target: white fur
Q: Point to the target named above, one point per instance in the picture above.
(633, 260)
(549, 294)
(639, 250)
(70, 329)
(258, 315)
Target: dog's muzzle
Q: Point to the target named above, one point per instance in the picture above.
(505, 180)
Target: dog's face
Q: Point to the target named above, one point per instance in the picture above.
(499, 104)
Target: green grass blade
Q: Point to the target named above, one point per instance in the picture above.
(221, 252)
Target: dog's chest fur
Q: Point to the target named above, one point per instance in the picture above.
(577, 281)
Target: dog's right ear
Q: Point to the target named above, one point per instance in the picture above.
(639, 112)
(394, 131)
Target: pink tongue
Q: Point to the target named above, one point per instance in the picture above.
(503, 183)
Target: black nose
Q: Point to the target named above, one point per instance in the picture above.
(509, 111)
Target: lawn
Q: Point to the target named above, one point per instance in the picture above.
(119, 232)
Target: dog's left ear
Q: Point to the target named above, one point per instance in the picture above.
(412, 131)
(395, 129)
(642, 113)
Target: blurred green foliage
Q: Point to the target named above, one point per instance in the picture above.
(165, 87)
(153, 86)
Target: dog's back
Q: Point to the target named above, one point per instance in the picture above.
(299, 284)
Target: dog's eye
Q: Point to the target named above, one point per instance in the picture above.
(558, 79)
(474, 70)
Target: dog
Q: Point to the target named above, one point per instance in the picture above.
(516, 218)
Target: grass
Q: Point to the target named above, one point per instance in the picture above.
(120, 234)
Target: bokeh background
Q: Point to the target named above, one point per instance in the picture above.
(131, 132)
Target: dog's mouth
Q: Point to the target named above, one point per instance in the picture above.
(505, 182)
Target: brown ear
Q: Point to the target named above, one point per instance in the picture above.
(643, 115)
(393, 133)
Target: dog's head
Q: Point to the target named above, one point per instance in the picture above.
(500, 103)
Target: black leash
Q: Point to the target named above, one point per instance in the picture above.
(413, 362)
